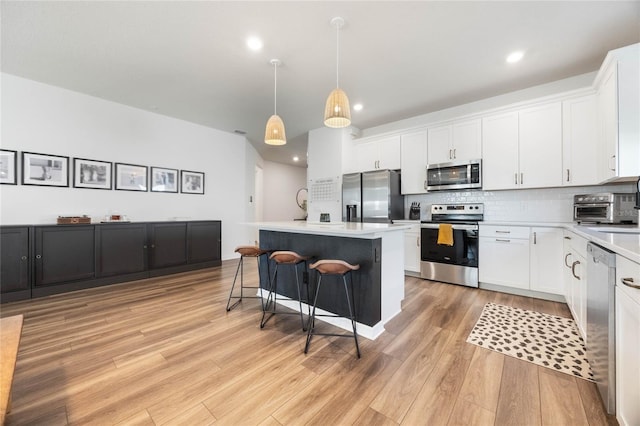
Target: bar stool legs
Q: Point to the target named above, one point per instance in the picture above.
(245, 251)
(270, 306)
(333, 267)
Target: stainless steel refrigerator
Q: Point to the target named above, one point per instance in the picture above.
(372, 197)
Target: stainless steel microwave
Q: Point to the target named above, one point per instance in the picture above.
(454, 175)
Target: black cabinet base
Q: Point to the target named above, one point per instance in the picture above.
(14, 296)
(99, 282)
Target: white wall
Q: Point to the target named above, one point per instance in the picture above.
(50, 120)
(281, 183)
(325, 149)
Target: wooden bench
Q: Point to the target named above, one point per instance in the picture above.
(10, 331)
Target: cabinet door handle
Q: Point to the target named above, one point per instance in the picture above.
(573, 269)
(23, 258)
(450, 157)
(613, 163)
(425, 184)
(38, 256)
(565, 260)
(629, 282)
(522, 178)
(503, 241)
(568, 175)
(153, 246)
(567, 238)
(454, 153)
(516, 176)
(535, 239)
(418, 241)
(144, 246)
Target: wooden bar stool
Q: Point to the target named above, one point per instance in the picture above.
(285, 258)
(245, 251)
(333, 267)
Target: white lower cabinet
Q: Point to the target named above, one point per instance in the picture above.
(575, 278)
(627, 342)
(546, 260)
(411, 246)
(522, 257)
(504, 256)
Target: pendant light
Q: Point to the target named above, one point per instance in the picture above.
(336, 112)
(274, 133)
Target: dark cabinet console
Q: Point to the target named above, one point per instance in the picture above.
(41, 260)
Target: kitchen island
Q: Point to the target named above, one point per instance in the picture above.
(378, 285)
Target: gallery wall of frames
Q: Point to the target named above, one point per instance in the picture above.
(30, 168)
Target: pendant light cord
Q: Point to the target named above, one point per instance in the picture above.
(337, 54)
(275, 88)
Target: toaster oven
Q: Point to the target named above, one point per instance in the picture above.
(605, 208)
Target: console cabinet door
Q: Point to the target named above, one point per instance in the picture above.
(14, 261)
(168, 244)
(64, 254)
(204, 241)
(122, 248)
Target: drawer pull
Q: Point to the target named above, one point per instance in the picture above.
(503, 232)
(629, 282)
(503, 241)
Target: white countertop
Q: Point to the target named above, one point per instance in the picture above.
(627, 245)
(340, 229)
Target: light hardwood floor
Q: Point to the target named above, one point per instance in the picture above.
(165, 351)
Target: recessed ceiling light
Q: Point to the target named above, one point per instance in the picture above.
(296, 158)
(254, 43)
(515, 57)
(357, 107)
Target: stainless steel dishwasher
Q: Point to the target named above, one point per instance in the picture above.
(601, 352)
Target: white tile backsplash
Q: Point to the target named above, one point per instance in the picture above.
(529, 205)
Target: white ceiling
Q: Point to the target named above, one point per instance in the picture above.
(400, 59)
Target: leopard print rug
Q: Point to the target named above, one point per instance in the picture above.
(545, 340)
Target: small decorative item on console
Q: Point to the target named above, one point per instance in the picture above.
(111, 218)
(73, 220)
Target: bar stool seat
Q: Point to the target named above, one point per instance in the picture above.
(343, 269)
(285, 258)
(245, 251)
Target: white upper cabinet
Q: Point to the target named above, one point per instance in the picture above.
(378, 155)
(500, 151)
(579, 141)
(523, 149)
(541, 146)
(460, 141)
(413, 152)
(618, 102)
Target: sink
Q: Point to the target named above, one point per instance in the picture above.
(617, 229)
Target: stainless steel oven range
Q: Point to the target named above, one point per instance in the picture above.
(457, 263)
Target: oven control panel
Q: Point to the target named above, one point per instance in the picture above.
(457, 209)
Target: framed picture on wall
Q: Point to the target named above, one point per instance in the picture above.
(191, 182)
(45, 169)
(164, 180)
(131, 177)
(92, 174)
(8, 167)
